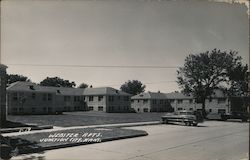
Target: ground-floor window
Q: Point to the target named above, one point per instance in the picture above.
(33, 109)
(91, 108)
(100, 108)
(221, 111)
(179, 109)
(145, 109)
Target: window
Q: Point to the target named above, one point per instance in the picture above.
(91, 98)
(33, 95)
(20, 109)
(49, 109)
(44, 109)
(91, 108)
(179, 101)
(49, 97)
(66, 98)
(190, 101)
(111, 98)
(33, 109)
(221, 100)
(145, 109)
(100, 108)
(138, 101)
(210, 110)
(15, 96)
(145, 101)
(132, 101)
(14, 109)
(100, 98)
(190, 109)
(44, 96)
(210, 99)
(161, 101)
(171, 100)
(179, 109)
(126, 98)
(76, 98)
(154, 101)
(221, 111)
(76, 108)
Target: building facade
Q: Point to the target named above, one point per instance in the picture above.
(107, 99)
(151, 102)
(2, 94)
(29, 98)
(168, 102)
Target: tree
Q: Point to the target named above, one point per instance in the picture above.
(238, 81)
(83, 85)
(133, 87)
(57, 82)
(203, 73)
(11, 78)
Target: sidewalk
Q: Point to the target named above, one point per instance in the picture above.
(82, 127)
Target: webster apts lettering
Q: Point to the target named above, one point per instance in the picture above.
(73, 138)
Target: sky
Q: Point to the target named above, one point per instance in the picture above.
(116, 33)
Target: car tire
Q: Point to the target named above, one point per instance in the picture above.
(195, 124)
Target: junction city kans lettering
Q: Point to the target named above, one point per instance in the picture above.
(73, 137)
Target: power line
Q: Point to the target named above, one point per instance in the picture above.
(97, 66)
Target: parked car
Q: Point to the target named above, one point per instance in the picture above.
(183, 116)
(244, 116)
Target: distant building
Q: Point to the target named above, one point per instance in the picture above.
(217, 103)
(151, 102)
(165, 102)
(2, 94)
(29, 98)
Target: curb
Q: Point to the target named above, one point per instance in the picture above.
(119, 125)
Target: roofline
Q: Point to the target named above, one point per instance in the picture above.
(2, 66)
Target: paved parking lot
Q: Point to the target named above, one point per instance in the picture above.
(213, 140)
(69, 119)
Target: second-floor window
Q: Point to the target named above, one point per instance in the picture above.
(221, 100)
(100, 98)
(15, 96)
(179, 101)
(33, 95)
(76, 98)
(190, 101)
(154, 101)
(66, 98)
(91, 98)
(49, 97)
(126, 98)
(111, 98)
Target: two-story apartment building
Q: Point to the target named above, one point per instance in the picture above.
(107, 99)
(151, 102)
(30, 98)
(158, 102)
(2, 94)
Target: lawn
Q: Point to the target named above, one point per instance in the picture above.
(68, 119)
